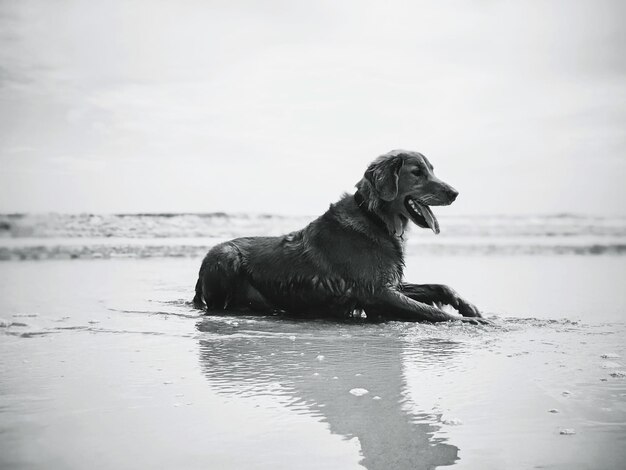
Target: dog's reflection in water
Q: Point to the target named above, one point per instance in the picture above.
(312, 367)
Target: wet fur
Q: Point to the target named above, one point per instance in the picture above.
(349, 259)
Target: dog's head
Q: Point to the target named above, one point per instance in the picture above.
(401, 186)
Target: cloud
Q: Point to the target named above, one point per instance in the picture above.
(270, 97)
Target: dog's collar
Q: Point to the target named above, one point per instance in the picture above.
(361, 204)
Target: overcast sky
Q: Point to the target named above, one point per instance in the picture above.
(278, 106)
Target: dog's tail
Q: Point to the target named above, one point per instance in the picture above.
(197, 300)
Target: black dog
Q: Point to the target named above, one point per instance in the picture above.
(349, 259)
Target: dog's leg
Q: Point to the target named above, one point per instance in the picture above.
(393, 305)
(220, 277)
(223, 283)
(250, 298)
(198, 299)
(440, 294)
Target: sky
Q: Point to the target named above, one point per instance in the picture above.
(279, 106)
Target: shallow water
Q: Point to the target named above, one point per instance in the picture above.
(103, 364)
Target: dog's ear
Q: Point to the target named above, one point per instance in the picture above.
(383, 176)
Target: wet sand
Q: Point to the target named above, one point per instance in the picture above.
(103, 364)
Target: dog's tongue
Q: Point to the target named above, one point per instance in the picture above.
(430, 217)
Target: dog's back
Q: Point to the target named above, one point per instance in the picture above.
(322, 269)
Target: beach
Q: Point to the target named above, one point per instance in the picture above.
(104, 364)
(467, 152)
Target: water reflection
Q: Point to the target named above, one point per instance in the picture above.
(311, 367)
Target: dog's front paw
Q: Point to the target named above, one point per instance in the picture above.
(464, 307)
(467, 309)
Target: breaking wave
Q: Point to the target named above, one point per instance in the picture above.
(61, 236)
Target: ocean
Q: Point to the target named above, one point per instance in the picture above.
(59, 236)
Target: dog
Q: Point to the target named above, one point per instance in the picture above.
(348, 260)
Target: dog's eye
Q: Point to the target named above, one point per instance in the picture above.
(416, 172)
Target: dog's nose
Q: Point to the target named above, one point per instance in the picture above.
(452, 194)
